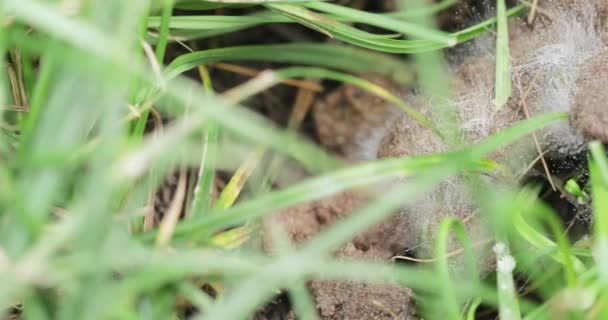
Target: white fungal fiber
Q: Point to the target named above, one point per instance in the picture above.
(448, 199)
(476, 110)
(548, 60)
(553, 67)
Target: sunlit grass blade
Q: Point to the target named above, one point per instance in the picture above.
(233, 238)
(234, 187)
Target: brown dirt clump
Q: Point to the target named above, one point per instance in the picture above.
(304, 221)
(406, 136)
(347, 300)
(349, 117)
(589, 114)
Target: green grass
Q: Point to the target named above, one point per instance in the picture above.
(76, 169)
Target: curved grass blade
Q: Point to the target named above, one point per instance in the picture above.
(196, 27)
(363, 84)
(451, 304)
(386, 22)
(572, 265)
(517, 131)
(352, 35)
(472, 310)
(219, 21)
(323, 55)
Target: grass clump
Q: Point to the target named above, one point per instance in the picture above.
(82, 81)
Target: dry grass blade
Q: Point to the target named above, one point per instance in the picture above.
(167, 225)
(302, 84)
(238, 180)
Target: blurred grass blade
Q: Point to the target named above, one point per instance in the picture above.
(161, 44)
(507, 295)
(304, 303)
(598, 171)
(205, 179)
(449, 296)
(503, 57)
(572, 265)
(472, 310)
(314, 189)
(517, 131)
(357, 176)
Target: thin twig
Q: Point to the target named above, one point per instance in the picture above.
(304, 84)
(539, 9)
(521, 174)
(532, 13)
(524, 106)
(449, 255)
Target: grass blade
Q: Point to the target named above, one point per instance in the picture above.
(503, 57)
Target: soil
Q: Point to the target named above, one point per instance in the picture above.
(345, 300)
(348, 119)
(589, 114)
